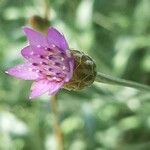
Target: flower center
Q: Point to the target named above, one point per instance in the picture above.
(53, 65)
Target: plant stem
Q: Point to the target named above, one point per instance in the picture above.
(122, 82)
(46, 9)
(56, 124)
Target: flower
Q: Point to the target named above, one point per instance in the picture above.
(48, 62)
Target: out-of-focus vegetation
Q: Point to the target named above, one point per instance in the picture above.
(116, 33)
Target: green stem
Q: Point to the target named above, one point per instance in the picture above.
(46, 9)
(56, 124)
(122, 82)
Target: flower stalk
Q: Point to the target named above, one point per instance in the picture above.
(103, 78)
(56, 124)
(46, 9)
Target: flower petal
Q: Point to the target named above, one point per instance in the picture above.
(55, 87)
(23, 71)
(71, 68)
(38, 88)
(35, 38)
(42, 86)
(33, 52)
(26, 52)
(57, 39)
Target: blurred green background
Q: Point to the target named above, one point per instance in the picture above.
(116, 34)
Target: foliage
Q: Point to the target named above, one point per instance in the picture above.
(101, 117)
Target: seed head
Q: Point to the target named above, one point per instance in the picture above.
(38, 23)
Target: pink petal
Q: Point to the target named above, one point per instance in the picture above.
(42, 86)
(35, 38)
(55, 87)
(26, 52)
(38, 88)
(23, 71)
(71, 69)
(33, 52)
(57, 39)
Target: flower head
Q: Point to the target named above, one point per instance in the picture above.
(84, 73)
(48, 62)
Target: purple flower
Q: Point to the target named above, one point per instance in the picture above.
(48, 62)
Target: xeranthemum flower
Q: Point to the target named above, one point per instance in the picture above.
(48, 62)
